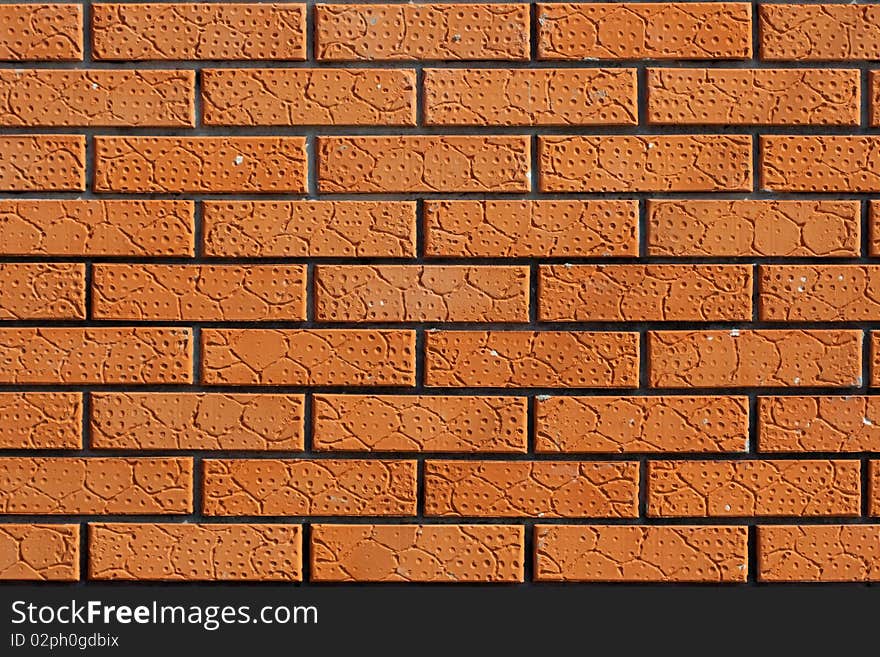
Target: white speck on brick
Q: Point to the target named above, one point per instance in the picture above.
(239, 159)
(494, 353)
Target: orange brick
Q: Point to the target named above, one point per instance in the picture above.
(39, 552)
(199, 31)
(819, 32)
(734, 489)
(308, 97)
(96, 228)
(542, 489)
(826, 553)
(662, 30)
(874, 95)
(38, 97)
(631, 163)
(621, 293)
(91, 486)
(42, 163)
(40, 420)
(41, 32)
(414, 293)
(753, 228)
(874, 488)
(417, 553)
(199, 292)
(424, 164)
(308, 357)
(819, 424)
(505, 229)
(310, 228)
(310, 487)
(736, 358)
(694, 96)
(641, 424)
(874, 237)
(530, 97)
(42, 291)
(156, 420)
(820, 163)
(419, 423)
(421, 31)
(200, 164)
(516, 359)
(195, 552)
(819, 293)
(572, 553)
(875, 358)
(95, 355)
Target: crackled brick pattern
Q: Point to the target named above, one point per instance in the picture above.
(440, 292)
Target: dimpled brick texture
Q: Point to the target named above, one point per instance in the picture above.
(440, 292)
(171, 552)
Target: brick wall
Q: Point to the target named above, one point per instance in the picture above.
(484, 292)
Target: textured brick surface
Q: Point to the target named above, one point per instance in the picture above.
(678, 163)
(406, 423)
(214, 552)
(571, 553)
(641, 424)
(309, 487)
(423, 31)
(437, 292)
(753, 228)
(39, 552)
(673, 30)
(417, 553)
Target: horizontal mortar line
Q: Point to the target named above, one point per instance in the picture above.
(523, 196)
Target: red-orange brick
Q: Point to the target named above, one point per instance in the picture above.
(309, 487)
(874, 95)
(417, 553)
(39, 552)
(819, 424)
(820, 293)
(826, 553)
(195, 552)
(874, 488)
(820, 163)
(734, 489)
(38, 97)
(735, 358)
(424, 164)
(95, 355)
(633, 163)
(753, 228)
(40, 420)
(156, 420)
(308, 97)
(660, 30)
(42, 291)
(542, 489)
(519, 359)
(93, 486)
(684, 96)
(875, 358)
(200, 164)
(572, 553)
(641, 424)
(819, 32)
(419, 423)
(618, 293)
(41, 32)
(530, 97)
(874, 234)
(402, 293)
(96, 228)
(199, 292)
(199, 31)
(507, 229)
(42, 163)
(308, 357)
(422, 31)
(310, 228)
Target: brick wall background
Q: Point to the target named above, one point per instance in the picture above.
(482, 292)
